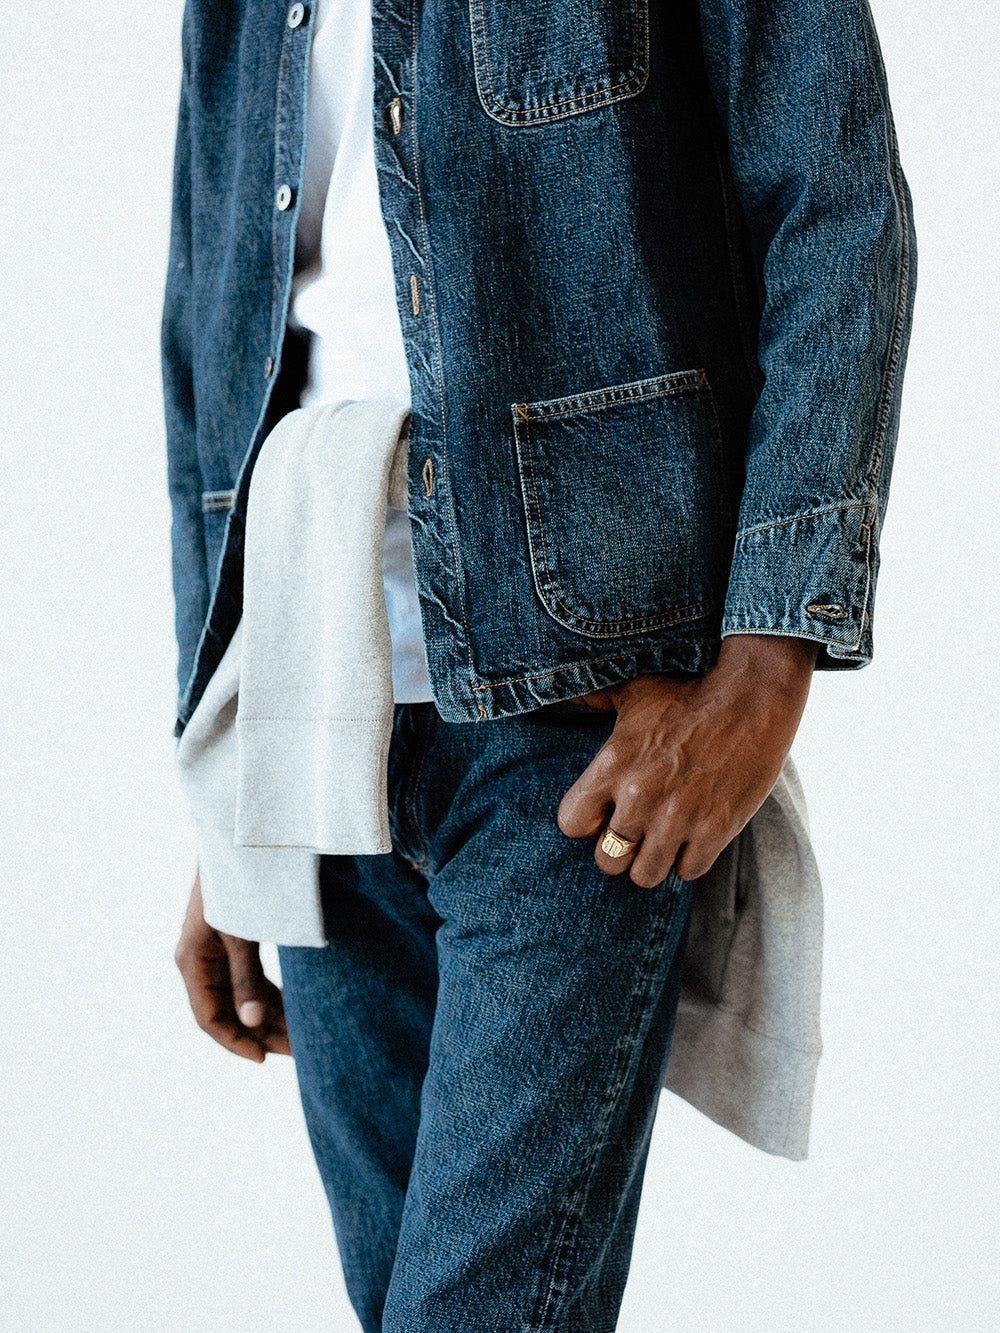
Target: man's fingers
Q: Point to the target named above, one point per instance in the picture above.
(221, 974)
(206, 978)
(653, 862)
(626, 828)
(273, 1032)
(586, 806)
(247, 979)
(277, 1043)
(235, 1039)
(697, 858)
(589, 809)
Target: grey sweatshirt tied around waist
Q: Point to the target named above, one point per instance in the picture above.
(285, 759)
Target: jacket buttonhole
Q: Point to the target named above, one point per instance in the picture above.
(833, 610)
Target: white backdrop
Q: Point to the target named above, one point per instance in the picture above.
(152, 1181)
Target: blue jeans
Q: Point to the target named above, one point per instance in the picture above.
(480, 1045)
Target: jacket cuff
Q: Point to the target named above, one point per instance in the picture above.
(811, 576)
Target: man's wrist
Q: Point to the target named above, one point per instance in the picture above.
(780, 652)
(784, 662)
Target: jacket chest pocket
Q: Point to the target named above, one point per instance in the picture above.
(629, 525)
(555, 58)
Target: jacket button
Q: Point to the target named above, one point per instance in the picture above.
(268, 367)
(283, 198)
(396, 114)
(295, 15)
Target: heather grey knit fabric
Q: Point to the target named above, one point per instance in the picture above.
(315, 697)
(285, 758)
(286, 755)
(747, 1039)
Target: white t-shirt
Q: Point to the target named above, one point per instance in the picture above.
(343, 291)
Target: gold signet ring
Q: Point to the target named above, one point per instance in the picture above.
(615, 845)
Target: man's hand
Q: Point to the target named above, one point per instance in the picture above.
(690, 761)
(231, 998)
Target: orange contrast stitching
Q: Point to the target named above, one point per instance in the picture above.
(799, 634)
(619, 393)
(593, 661)
(798, 518)
(437, 340)
(674, 615)
(590, 402)
(901, 287)
(598, 96)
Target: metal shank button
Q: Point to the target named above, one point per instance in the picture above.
(283, 198)
(295, 15)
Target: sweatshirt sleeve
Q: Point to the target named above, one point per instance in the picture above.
(800, 91)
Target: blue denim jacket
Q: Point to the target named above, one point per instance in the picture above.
(655, 269)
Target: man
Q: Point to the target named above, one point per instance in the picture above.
(650, 277)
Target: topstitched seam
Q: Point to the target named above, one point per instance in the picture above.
(888, 381)
(675, 614)
(599, 95)
(437, 342)
(798, 518)
(277, 155)
(590, 661)
(625, 1056)
(595, 399)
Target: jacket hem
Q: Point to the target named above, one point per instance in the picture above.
(471, 698)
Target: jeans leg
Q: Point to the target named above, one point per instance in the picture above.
(556, 1000)
(359, 1017)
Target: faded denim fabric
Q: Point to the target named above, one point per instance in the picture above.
(655, 269)
(480, 1046)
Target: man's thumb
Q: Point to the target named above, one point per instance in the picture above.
(247, 978)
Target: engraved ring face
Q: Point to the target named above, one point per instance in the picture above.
(615, 845)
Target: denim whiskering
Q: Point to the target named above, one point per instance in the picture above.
(481, 1044)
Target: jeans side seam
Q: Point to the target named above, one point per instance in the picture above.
(547, 1309)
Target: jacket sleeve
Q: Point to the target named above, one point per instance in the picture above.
(800, 91)
(176, 347)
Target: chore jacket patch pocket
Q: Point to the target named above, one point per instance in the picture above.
(625, 503)
(557, 58)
